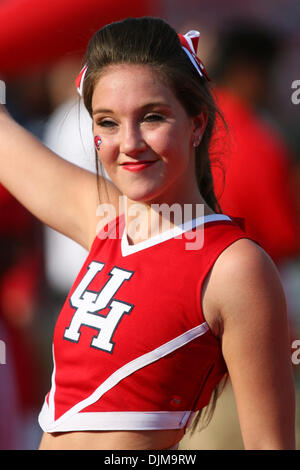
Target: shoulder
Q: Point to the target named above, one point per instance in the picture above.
(244, 285)
(244, 257)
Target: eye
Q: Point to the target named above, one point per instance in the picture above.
(153, 117)
(106, 123)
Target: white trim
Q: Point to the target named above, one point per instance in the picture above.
(52, 391)
(127, 249)
(50, 425)
(120, 420)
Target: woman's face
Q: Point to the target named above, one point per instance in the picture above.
(146, 136)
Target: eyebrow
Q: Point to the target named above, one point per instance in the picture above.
(143, 108)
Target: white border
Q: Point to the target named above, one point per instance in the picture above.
(127, 249)
(120, 420)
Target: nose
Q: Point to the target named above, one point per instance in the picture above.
(131, 140)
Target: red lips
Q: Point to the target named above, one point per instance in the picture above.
(138, 166)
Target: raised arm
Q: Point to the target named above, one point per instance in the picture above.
(256, 345)
(59, 193)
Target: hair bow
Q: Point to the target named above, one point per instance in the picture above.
(80, 79)
(189, 43)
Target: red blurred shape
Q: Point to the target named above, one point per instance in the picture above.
(35, 33)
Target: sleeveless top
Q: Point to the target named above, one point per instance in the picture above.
(131, 347)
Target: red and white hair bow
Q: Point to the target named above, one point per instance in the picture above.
(189, 43)
(80, 79)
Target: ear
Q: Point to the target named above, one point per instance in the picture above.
(199, 124)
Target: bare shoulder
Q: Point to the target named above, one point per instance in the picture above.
(246, 261)
(245, 282)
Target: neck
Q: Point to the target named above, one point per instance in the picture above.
(145, 220)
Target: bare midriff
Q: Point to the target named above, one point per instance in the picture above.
(111, 440)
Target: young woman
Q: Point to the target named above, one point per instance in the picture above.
(156, 316)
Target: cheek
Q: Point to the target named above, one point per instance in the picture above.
(107, 153)
(172, 145)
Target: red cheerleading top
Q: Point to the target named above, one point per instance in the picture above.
(132, 349)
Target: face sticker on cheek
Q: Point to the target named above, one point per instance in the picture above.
(97, 141)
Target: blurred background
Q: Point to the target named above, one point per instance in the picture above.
(251, 52)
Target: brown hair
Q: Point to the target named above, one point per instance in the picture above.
(152, 42)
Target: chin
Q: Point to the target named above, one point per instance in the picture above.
(140, 198)
(143, 194)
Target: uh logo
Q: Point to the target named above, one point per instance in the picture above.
(89, 304)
